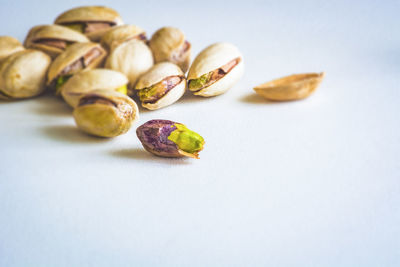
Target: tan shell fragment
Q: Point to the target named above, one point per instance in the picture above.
(23, 74)
(293, 87)
(89, 80)
(52, 32)
(121, 34)
(133, 58)
(8, 46)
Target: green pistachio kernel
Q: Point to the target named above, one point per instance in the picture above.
(186, 139)
(60, 81)
(152, 93)
(79, 27)
(198, 83)
(123, 89)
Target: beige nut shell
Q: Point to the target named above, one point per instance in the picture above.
(23, 74)
(70, 55)
(120, 34)
(52, 32)
(133, 58)
(212, 58)
(9, 45)
(88, 80)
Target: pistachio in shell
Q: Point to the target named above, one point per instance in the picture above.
(166, 138)
(170, 44)
(293, 87)
(215, 70)
(161, 86)
(89, 80)
(53, 39)
(133, 58)
(74, 59)
(23, 74)
(120, 34)
(105, 113)
(93, 21)
(8, 46)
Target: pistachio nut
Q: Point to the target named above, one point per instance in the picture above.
(23, 74)
(293, 87)
(93, 21)
(53, 39)
(169, 139)
(133, 58)
(215, 70)
(170, 44)
(105, 113)
(9, 45)
(161, 86)
(75, 58)
(120, 34)
(89, 80)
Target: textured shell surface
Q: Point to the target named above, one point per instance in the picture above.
(9, 45)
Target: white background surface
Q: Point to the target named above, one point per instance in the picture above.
(308, 183)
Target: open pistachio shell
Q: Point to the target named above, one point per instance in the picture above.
(120, 34)
(215, 70)
(170, 44)
(161, 86)
(74, 59)
(23, 74)
(293, 87)
(105, 113)
(133, 58)
(9, 45)
(89, 80)
(93, 21)
(53, 39)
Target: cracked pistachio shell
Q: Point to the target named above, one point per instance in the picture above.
(293, 87)
(8, 46)
(168, 44)
(90, 14)
(72, 54)
(212, 58)
(23, 74)
(170, 139)
(120, 34)
(52, 32)
(105, 113)
(89, 80)
(133, 58)
(155, 75)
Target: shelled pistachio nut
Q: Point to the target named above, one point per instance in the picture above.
(23, 74)
(166, 138)
(53, 39)
(105, 113)
(293, 87)
(133, 58)
(215, 70)
(120, 34)
(74, 59)
(93, 21)
(161, 86)
(170, 44)
(89, 80)
(8, 46)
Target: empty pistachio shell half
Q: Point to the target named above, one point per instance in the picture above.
(161, 86)
(293, 87)
(93, 21)
(121, 34)
(105, 113)
(53, 39)
(169, 139)
(215, 70)
(9, 45)
(23, 74)
(133, 58)
(74, 59)
(89, 80)
(170, 44)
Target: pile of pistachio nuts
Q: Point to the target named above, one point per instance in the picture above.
(100, 67)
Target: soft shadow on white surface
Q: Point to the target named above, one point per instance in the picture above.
(253, 98)
(142, 154)
(70, 134)
(51, 105)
